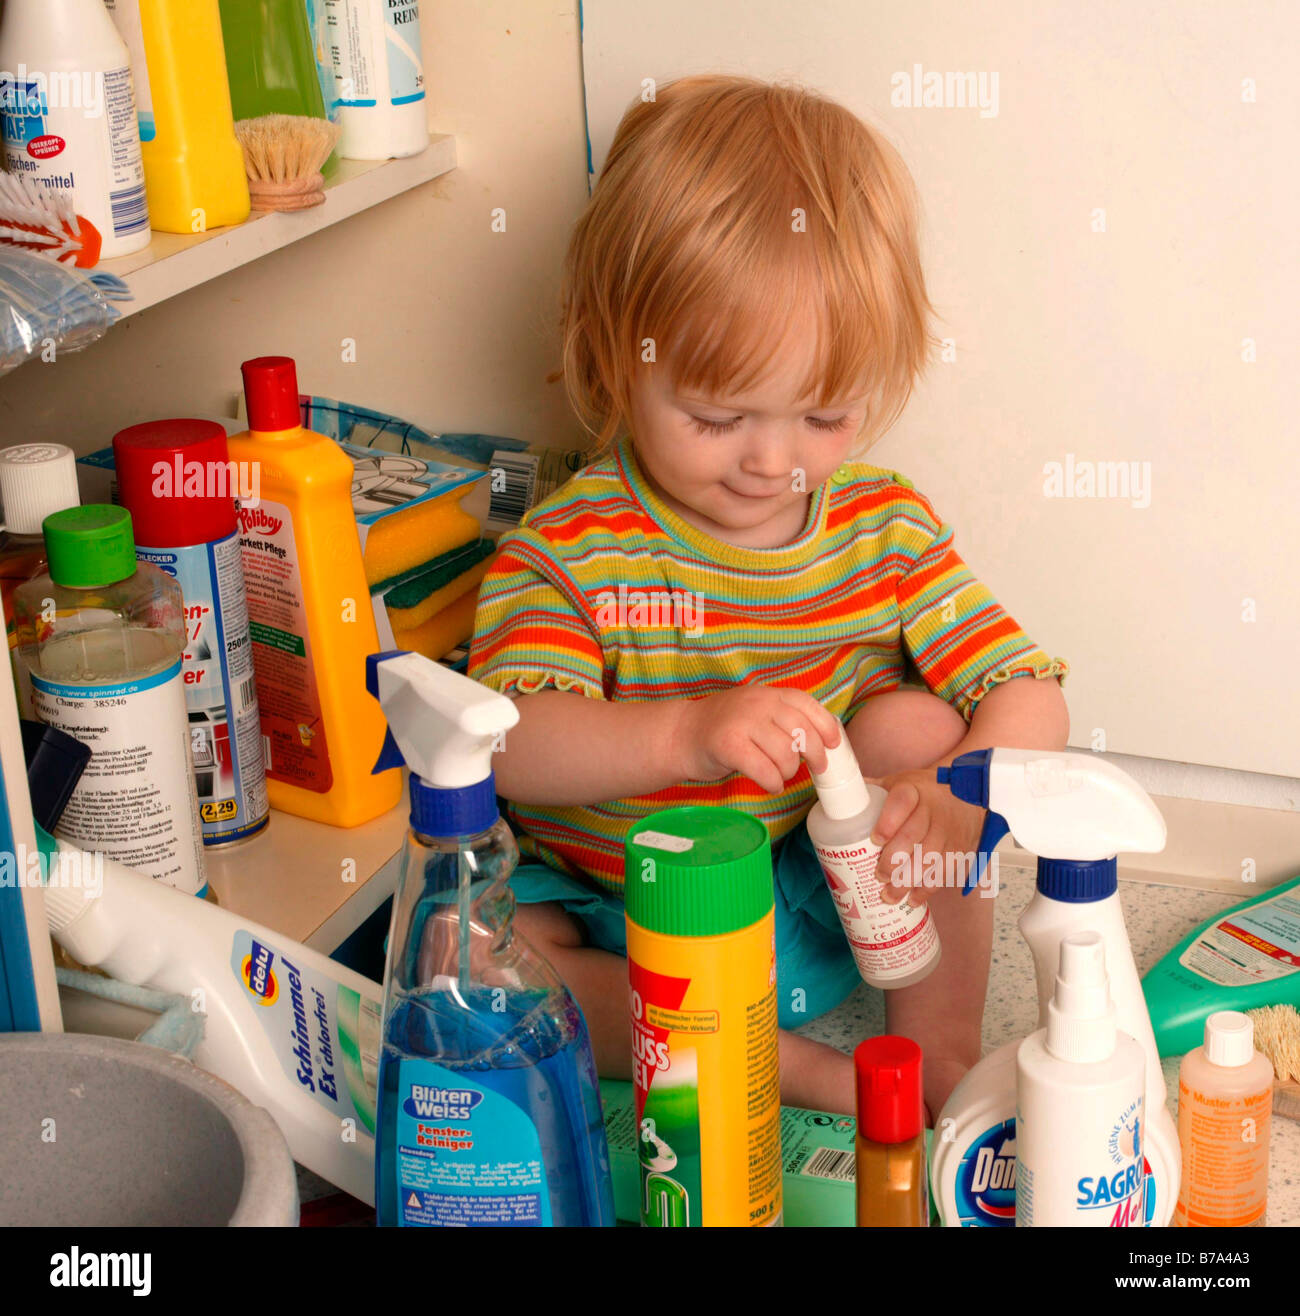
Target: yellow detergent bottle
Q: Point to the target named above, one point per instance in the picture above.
(193, 165)
(701, 953)
(309, 610)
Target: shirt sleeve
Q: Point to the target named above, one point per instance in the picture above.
(532, 625)
(961, 639)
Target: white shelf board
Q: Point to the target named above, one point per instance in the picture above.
(173, 263)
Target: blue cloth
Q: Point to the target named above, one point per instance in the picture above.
(815, 970)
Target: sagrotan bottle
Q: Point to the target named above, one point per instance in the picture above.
(1225, 1108)
(309, 612)
(1079, 1104)
(894, 945)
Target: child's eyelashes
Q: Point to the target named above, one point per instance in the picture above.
(705, 426)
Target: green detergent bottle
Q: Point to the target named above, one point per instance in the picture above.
(1246, 957)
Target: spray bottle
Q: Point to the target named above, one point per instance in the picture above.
(1081, 811)
(488, 1108)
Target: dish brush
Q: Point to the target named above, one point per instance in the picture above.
(1277, 1035)
(283, 155)
(42, 220)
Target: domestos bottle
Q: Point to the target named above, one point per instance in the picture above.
(489, 1109)
(894, 945)
(68, 114)
(1225, 1107)
(1080, 1120)
(174, 478)
(102, 638)
(701, 958)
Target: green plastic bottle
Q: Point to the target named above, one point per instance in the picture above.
(1242, 959)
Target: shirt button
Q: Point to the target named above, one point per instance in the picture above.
(840, 475)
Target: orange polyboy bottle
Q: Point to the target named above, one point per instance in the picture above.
(309, 610)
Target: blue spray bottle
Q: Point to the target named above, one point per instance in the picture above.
(488, 1108)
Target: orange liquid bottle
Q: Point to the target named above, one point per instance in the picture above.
(309, 610)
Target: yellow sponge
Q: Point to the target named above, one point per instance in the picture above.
(441, 633)
(407, 619)
(405, 540)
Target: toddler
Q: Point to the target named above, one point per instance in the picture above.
(727, 590)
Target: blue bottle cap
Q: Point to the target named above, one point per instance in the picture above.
(1078, 881)
(453, 811)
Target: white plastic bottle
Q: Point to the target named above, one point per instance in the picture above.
(67, 111)
(894, 945)
(1079, 1104)
(379, 77)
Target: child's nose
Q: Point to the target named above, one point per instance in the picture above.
(770, 453)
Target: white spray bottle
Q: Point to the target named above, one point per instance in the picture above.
(1076, 812)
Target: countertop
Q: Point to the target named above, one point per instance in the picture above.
(1157, 916)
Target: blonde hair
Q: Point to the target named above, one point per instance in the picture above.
(691, 239)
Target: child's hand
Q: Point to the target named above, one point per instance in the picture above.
(759, 730)
(921, 811)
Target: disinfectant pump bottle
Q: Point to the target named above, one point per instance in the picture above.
(1076, 812)
(488, 1109)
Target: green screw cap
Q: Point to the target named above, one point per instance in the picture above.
(697, 872)
(89, 546)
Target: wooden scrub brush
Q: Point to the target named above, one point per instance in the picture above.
(1277, 1035)
(283, 155)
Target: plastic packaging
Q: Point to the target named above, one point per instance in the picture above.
(1244, 958)
(68, 114)
(1225, 1112)
(893, 945)
(1081, 810)
(309, 609)
(488, 1111)
(47, 309)
(102, 640)
(290, 1028)
(701, 962)
(176, 481)
(1080, 1086)
(379, 77)
(889, 1150)
(269, 59)
(194, 168)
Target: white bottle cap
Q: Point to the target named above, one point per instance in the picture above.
(840, 789)
(35, 480)
(1081, 1015)
(1229, 1039)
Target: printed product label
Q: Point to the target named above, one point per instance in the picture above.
(405, 60)
(325, 1035)
(888, 941)
(1229, 1187)
(355, 45)
(1253, 945)
(224, 729)
(465, 1155)
(293, 729)
(985, 1188)
(130, 27)
(135, 801)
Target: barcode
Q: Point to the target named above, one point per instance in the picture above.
(129, 210)
(266, 753)
(827, 1163)
(246, 693)
(512, 477)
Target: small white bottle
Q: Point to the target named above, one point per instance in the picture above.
(1080, 1119)
(894, 945)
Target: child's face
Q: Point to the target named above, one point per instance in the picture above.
(741, 467)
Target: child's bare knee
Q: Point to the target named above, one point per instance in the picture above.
(547, 924)
(904, 729)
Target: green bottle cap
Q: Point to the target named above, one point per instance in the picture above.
(697, 872)
(89, 546)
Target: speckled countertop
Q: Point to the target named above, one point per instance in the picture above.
(1157, 918)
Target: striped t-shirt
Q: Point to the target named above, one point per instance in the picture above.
(606, 591)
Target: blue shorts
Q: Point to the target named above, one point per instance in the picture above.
(815, 970)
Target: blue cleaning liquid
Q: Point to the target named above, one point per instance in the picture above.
(472, 1087)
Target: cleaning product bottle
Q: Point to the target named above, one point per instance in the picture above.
(379, 76)
(1080, 810)
(1080, 1087)
(175, 479)
(269, 59)
(309, 609)
(894, 945)
(68, 116)
(1244, 958)
(102, 638)
(1225, 1111)
(701, 958)
(489, 1109)
(889, 1149)
(193, 166)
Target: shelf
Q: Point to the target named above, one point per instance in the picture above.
(173, 263)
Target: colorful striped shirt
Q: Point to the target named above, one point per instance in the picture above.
(606, 591)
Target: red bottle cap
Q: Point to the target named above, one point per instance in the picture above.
(891, 1108)
(175, 478)
(271, 394)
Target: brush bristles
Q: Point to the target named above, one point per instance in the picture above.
(280, 148)
(1277, 1035)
